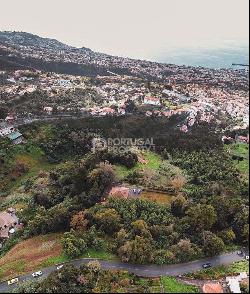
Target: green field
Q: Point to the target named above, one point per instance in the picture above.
(154, 163)
(240, 149)
(221, 271)
(156, 174)
(171, 285)
(29, 157)
(100, 254)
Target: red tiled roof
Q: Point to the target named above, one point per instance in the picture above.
(121, 192)
(152, 99)
(212, 288)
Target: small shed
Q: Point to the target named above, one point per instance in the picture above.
(16, 138)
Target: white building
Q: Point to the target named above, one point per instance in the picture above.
(233, 285)
(152, 101)
(5, 131)
(48, 110)
(234, 282)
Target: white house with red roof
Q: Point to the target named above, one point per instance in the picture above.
(152, 101)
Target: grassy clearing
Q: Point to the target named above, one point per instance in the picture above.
(154, 284)
(161, 198)
(156, 173)
(30, 255)
(240, 149)
(154, 162)
(102, 254)
(30, 157)
(221, 271)
(35, 165)
(171, 285)
(40, 252)
(54, 260)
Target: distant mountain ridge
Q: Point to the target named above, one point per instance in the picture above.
(19, 50)
(27, 39)
(31, 51)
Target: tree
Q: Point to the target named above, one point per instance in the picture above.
(3, 112)
(108, 220)
(73, 246)
(178, 205)
(241, 220)
(131, 107)
(164, 257)
(140, 228)
(79, 222)
(139, 250)
(185, 250)
(228, 236)
(178, 182)
(121, 237)
(63, 281)
(245, 234)
(94, 266)
(212, 244)
(201, 217)
(100, 180)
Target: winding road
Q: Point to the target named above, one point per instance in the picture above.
(141, 270)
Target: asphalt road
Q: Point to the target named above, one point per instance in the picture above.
(141, 270)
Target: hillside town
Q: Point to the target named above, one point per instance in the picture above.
(27, 93)
(174, 206)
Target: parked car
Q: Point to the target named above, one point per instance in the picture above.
(207, 265)
(37, 274)
(247, 257)
(59, 267)
(13, 281)
(240, 252)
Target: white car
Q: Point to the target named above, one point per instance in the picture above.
(59, 267)
(37, 274)
(247, 257)
(13, 281)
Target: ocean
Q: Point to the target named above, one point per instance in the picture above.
(219, 57)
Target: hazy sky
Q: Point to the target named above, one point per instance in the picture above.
(130, 27)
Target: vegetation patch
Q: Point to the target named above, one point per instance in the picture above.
(99, 254)
(30, 255)
(90, 278)
(219, 272)
(152, 162)
(162, 198)
(241, 150)
(171, 285)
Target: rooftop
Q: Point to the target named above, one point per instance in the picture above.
(212, 288)
(14, 136)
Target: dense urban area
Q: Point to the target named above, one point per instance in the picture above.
(120, 175)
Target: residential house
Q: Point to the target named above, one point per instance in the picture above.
(10, 119)
(16, 138)
(125, 192)
(120, 192)
(234, 285)
(64, 83)
(212, 288)
(10, 132)
(48, 110)
(121, 111)
(234, 282)
(106, 111)
(242, 139)
(8, 221)
(152, 101)
(184, 129)
(6, 130)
